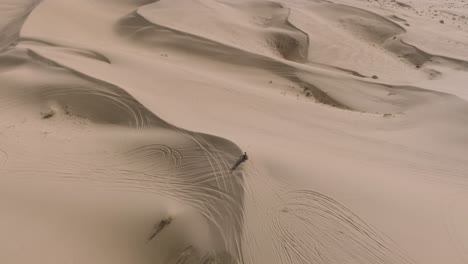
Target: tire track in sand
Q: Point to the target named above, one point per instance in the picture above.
(4, 157)
(313, 228)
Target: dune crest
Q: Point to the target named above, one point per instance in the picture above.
(14, 14)
(247, 131)
(257, 26)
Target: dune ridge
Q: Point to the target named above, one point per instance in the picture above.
(220, 196)
(267, 19)
(103, 103)
(354, 135)
(14, 14)
(139, 29)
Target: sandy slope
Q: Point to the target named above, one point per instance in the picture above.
(353, 114)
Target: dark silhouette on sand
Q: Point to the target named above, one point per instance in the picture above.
(241, 159)
(159, 227)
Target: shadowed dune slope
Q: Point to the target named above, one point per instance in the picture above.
(372, 98)
(258, 26)
(13, 13)
(231, 132)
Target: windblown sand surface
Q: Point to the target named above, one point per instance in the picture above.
(121, 119)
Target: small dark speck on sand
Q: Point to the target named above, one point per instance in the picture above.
(48, 115)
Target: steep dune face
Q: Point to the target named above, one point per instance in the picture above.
(311, 83)
(382, 31)
(258, 26)
(362, 36)
(355, 134)
(13, 14)
(56, 96)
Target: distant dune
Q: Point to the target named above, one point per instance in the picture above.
(222, 131)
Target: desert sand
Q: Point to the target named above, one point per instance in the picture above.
(120, 121)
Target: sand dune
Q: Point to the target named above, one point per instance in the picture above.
(139, 29)
(14, 13)
(121, 121)
(259, 26)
